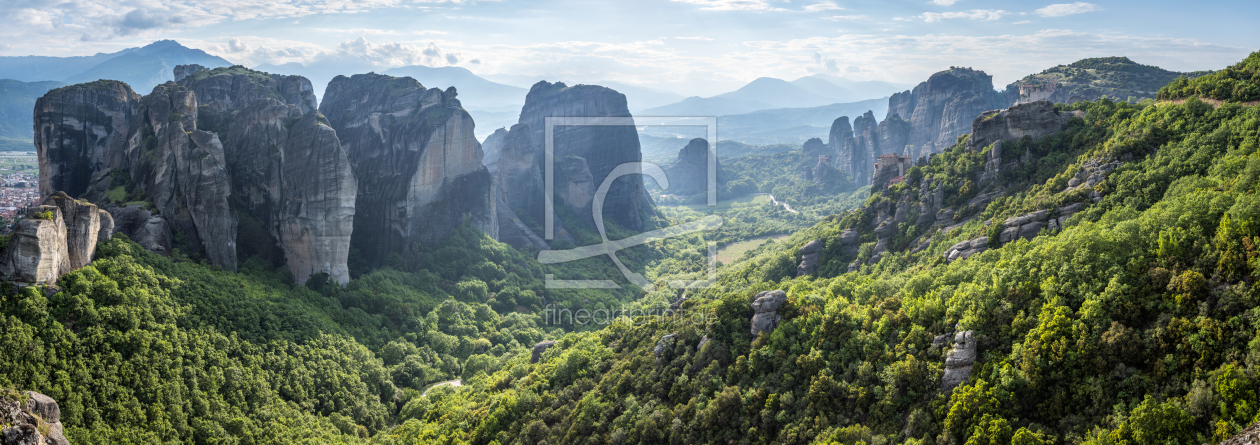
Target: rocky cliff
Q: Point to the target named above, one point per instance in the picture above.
(56, 238)
(287, 168)
(920, 122)
(689, 173)
(416, 160)
(30, 418)
(601, 148)
(492, 149)
(79, 130)
(945, 106)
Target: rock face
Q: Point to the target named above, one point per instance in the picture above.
(539, 349)
(56, 238)
(1034, 120)
(287, 167)
(146, 229)
(601, 148)
(689, 174)
(1249, 436)
(37, 251)
(809, 258)
(24, 423)
(183, 171)
(765, 307)
(83, 227)
(920, 122)
(945, 106)
(416, 160)
(959, 360)
(79, 130)
(492, 148)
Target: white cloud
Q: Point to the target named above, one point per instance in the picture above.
(1062, 9)
(824, 6)
(706, 39)
(837, 18)
(944, 2)
(1021, 22)
(974, 14)
(731, 5)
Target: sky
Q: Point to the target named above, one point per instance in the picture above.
(692, 47)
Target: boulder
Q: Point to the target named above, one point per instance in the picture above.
(148, 230)
(1009, 234)
(809, 258)
(1030, 230)
(539, 349)
(849, 237)
(661, 345)
(83, 226)
(959, 360)
(765, 306)
(25, 423)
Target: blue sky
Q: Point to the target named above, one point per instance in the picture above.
(694, 47)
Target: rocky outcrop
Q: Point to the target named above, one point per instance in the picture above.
(894, 133)
(945, 106)
(286, 164)
(539, 349)
(183, 71)
(34, 421)
(810, 254)
(838, 141)
(1249, 436)
(1093, 172)
(959, 360)
(56, 238)
(183, 172)
(1034, 119)
(813, 148)
(603, 148)
(416, 161)
(79, 130)
(663, 345)
(492, 149)
(689, 174)
(1026, 226)
(765, 311)
(82, 222)
(148, 230)
(857, 154)
(37, 252)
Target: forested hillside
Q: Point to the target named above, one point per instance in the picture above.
(1135, 323)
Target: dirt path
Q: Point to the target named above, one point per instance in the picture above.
(456, 383)
(784, 204)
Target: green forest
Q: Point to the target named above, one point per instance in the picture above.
(1138, 322)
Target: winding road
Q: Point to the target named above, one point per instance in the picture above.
(784, 204)
(455, 383)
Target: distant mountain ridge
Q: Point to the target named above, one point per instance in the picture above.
(768, 93)
(16, 101)
(140, 68)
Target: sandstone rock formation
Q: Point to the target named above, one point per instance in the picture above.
(37, 252)
(945, 106)
(689, 174)
(809, 258)
(416, 161)
(79, 130)
(602, 148)
(142, 226)
(539, 349)
(183, 172)
(286, 165)
(492, 148)
(56, 238)
(26, 423)
(765, 311)
(959, 360)
(1249, 436)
